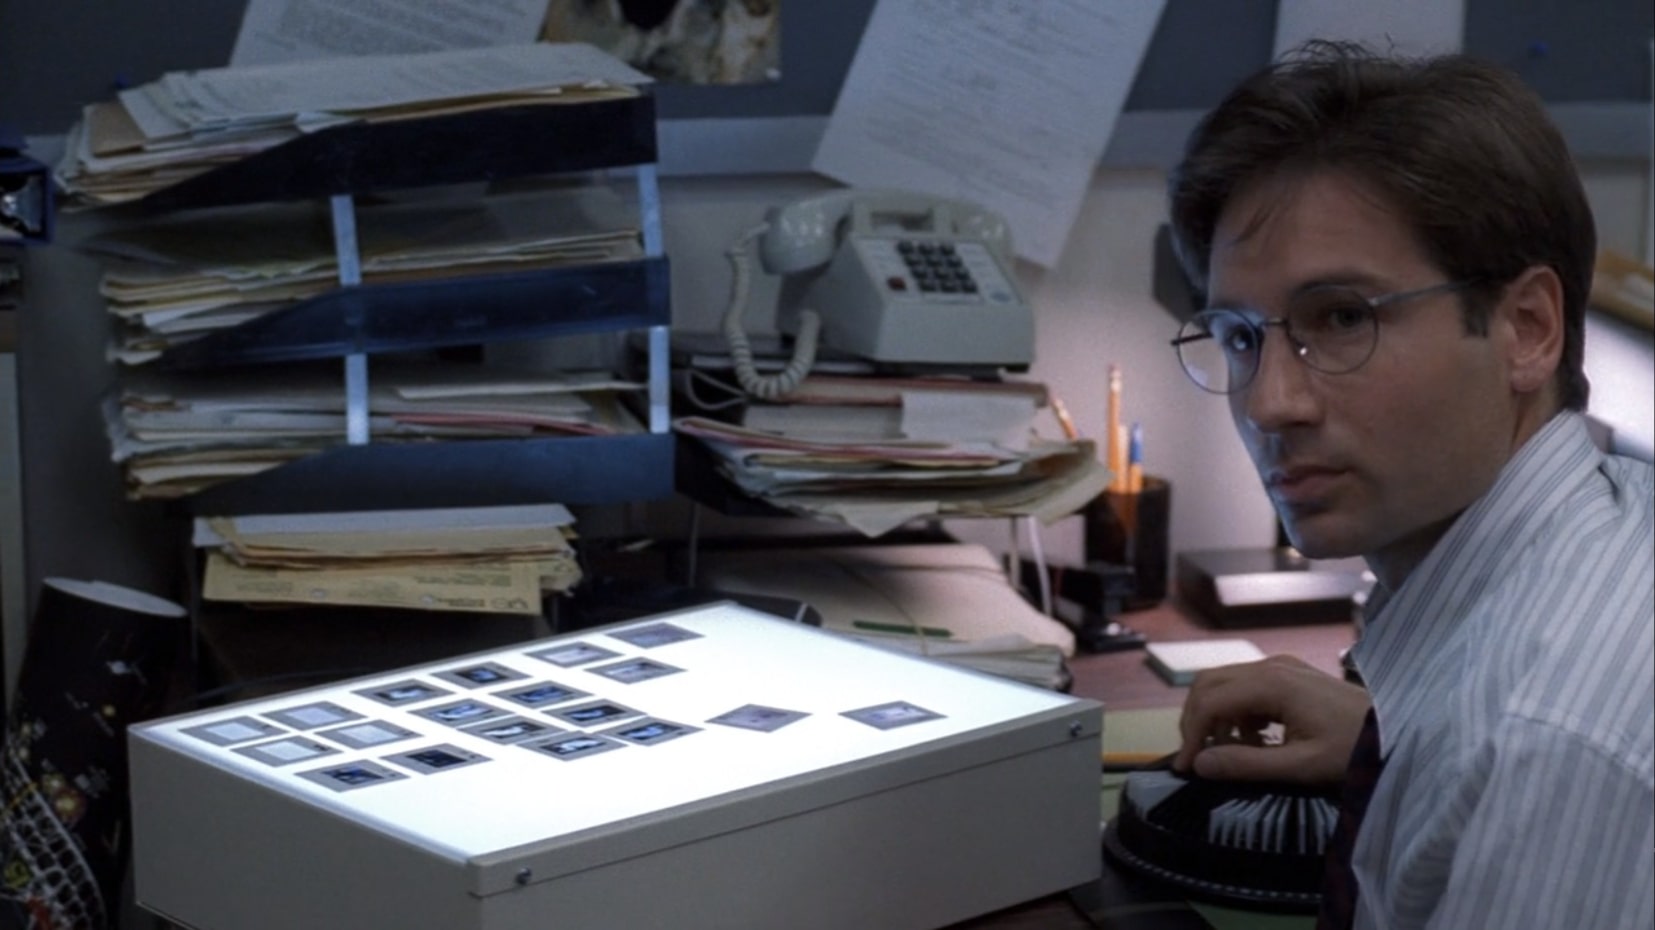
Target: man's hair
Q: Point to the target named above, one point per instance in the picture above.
(1460, 148)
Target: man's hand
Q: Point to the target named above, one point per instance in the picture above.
(1228, 709)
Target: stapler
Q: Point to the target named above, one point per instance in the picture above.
(1102, 590)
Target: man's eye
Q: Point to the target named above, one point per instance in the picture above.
(1236, 340)
(1334, 317)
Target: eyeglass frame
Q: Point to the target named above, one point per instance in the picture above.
(1300, 349)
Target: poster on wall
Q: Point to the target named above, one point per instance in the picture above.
(678, 41)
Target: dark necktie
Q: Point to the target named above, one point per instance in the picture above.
(1339, 883)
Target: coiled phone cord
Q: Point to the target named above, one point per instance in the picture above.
(784, 382)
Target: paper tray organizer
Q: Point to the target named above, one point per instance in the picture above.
(756, 773)
(356, 320)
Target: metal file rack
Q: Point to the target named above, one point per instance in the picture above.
(356, 321)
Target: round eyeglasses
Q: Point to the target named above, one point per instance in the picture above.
(1333, 329)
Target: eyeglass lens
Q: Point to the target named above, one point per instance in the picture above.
(1333, 330)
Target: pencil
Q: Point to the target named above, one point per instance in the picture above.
(1064, 420)
(1126, 761)
(1116, 454)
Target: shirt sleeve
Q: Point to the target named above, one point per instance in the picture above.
(1561, 834)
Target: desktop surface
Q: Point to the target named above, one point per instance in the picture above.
(1141, 717)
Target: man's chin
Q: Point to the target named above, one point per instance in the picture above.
(1314, 539)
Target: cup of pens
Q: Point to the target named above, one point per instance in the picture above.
(1127, 523)
(1128, 526)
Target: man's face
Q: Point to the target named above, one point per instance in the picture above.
(1377, 461)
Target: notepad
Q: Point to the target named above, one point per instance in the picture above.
(1179, 662)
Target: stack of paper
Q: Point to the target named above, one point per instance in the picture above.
(949, 602)
(175, 280)
(187, 123)
(877, 451)
(954, 469)
(176, 433)
(486, 559)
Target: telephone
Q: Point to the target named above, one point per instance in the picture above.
(893, 277)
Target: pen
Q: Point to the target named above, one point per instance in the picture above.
(1135, 460)
(932, 631)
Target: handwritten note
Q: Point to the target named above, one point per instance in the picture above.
(276, 31)
(1008, 104)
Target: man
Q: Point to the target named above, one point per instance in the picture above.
(1396, 256)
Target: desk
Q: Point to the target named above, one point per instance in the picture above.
(1148, 711)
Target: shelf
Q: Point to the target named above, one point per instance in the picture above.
(461, 473)
(427, 314)
(486, 145)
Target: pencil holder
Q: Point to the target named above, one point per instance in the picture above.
(1125, 528)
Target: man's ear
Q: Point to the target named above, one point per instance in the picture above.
(1531, 312)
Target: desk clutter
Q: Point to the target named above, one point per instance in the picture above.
(174, 434)
(275, 228)
(174, 129)
(949, 602)
(874, 451)
(173, 279)
(477, 560)
(714, 767)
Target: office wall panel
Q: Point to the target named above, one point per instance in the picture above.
(55, 57)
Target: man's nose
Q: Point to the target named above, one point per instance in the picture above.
(1281, 394)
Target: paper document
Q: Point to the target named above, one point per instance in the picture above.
(233, 97)
(274, 31)
(509, 588)
(1008, 105)
(388, 521)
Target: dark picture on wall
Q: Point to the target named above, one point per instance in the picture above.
(678, 41)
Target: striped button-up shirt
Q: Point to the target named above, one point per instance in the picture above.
(1513, 674)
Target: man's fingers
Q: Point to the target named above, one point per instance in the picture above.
(1240, 762)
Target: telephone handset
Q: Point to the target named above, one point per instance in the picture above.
(893, 277)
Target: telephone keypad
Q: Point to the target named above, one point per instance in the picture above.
(937, 272)
(936, 267)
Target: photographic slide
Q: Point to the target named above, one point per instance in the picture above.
(286, 751)
(233, 731)
(433, 759)
(461, 713)
(892, 715)
(510, 729)
(574, 746)
(655, 634)
(351, 776)
(367, 734)
(570, 655)
(543, 694)
(396, 694)
(311, 716)
(594, 713)
(758, 717)
(481, 675)
(650, 731)
(632, 671)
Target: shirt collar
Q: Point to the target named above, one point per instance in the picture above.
(1406, 628)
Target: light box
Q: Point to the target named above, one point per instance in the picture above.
(714, 767)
